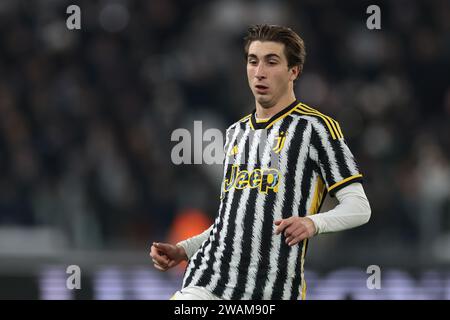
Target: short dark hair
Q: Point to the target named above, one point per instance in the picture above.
(294, 47)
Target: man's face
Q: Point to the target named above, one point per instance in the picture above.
(268, 73)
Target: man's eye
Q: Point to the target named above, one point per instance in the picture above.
(272, 62)
(252, 61)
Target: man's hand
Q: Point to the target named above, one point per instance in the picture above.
(166, 256)
(295, 229)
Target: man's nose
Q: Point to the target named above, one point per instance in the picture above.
(260, 72)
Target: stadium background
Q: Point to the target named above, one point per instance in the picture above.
(86, 118)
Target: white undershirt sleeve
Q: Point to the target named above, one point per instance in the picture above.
(191, 245)
(352, 211)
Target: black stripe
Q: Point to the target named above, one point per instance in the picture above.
(201, 258)
(333, 124)
(267, 229)
(196, 262)
(248, 210)
(285, 250)
(305, 187)
(329, 128)
(322, 156)
(266, 242)
(246, 243)
(296, 282)
(228, 240)
(244, 125)
(340, 159)
(338, 132)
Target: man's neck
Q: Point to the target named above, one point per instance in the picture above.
(268, 112)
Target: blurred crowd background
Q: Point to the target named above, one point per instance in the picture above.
(86, 118)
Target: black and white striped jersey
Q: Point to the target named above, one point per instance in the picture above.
(273, 170)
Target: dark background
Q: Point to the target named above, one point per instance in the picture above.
(86, 118)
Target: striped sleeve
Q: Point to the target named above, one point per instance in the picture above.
(333, 157)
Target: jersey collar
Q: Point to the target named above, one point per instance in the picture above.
(268, 123)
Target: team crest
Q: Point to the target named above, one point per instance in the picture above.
(279, 142)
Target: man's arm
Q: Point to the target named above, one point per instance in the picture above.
(191, 245)
(352, 211)
(166, 255)
(333, 157)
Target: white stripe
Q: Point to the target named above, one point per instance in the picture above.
(229, 133)
(349, 159)
(277, 209)
(223, 232)
(300, 168)
(242, 210)
(191, 264)
(258, 221)
(324, 134)
(313, 154)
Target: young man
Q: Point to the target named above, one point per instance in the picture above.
(281, 160)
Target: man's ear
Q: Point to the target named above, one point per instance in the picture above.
(295, 72)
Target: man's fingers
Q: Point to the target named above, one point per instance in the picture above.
(153, 251)
(289, 239)
(294, 236)
(280, 226)
(294, 229)
(160, 254)
(296, 232)
(165, 266)
(162, 260)
(289, 230)
(297, 239)
(159, 263)
(164, 247)
(159, 267)
(283, 224)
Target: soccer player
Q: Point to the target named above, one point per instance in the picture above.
(281, 160)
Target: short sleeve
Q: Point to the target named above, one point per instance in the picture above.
(335, 161)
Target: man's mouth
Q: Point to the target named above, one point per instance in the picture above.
(261, 88)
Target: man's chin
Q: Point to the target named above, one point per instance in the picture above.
(264, 101)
